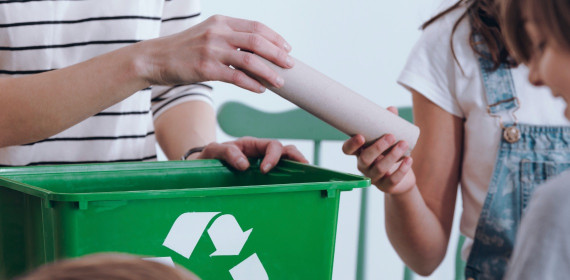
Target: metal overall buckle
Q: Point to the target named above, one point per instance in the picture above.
(511, 134)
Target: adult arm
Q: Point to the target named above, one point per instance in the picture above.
(185, 126)
(38, 106)
(184, 117)
(192, 124)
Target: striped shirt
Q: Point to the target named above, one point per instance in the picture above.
(42, 35)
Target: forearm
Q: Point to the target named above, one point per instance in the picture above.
(415, 231)
(38, 106)
(419, 223)
(185, 126)
(418, 218)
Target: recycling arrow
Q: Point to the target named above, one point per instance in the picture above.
(250, 269)
(227, 236)
(225, 233)
(186, 231)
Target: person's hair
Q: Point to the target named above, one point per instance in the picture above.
(552, 18)
(108, 267)
(483, 17)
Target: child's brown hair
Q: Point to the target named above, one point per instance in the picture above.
(552, 18)
(483, 17)
(108, 267)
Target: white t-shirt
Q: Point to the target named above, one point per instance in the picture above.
(38, 36)
(542, 249)
(432, 71)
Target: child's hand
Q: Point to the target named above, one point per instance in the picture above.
(383, 162)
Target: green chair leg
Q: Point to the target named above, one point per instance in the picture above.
(361, 249)
(408, 273)
(316, 152)
(459, 263)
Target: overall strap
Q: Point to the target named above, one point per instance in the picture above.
(500, 91)
(499, 87)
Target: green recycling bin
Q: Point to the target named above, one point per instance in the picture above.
(217, 222)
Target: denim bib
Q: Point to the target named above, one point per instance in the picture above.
(527, 156)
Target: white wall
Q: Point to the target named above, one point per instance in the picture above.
(364, 45)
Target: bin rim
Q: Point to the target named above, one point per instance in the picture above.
(351, 181)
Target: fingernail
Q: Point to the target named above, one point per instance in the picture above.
(261, 89)
(280, 82)
(390, 138)
(290, 62)
(242, 163)
(287, 47)
(266, 168)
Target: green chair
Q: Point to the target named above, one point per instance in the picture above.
(459, 262)
(238, 120)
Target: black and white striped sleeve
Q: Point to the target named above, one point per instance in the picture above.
(179, 15)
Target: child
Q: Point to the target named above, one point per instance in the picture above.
(483, 127)
(109, 267)
(537, 32)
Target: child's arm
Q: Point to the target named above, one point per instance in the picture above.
(419, 222)
(418, 216)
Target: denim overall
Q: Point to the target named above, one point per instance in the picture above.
(527, 156)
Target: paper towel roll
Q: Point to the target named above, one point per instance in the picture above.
(339, 106)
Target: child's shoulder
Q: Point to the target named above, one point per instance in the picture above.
(444, 39)
(442, 29)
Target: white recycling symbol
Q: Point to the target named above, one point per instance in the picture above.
(226, 234)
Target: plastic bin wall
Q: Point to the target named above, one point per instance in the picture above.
(215, 221)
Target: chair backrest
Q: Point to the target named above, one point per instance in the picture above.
(238, 120)
(406, 113)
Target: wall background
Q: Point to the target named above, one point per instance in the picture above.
(364, 45)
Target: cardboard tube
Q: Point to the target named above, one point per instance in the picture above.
(339, 106)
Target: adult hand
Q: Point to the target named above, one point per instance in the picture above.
(383, 162)
(209, 51)
(236, 152)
